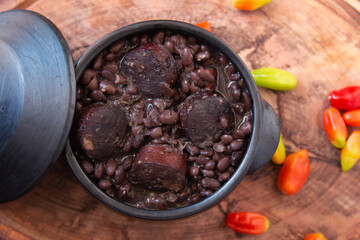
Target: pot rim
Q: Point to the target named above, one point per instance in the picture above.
(242, 169)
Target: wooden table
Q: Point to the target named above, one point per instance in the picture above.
(316, 40)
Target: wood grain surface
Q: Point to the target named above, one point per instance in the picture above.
(316, 40)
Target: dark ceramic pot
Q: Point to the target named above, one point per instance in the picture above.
(264, 137)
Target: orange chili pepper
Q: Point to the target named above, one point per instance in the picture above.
(335, 127)
(249, 5)
(315, 236)
(352, 118)
(247, 222)
(205, 25)
(350, 154)
(294, 172)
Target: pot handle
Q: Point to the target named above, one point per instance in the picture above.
(269, 137)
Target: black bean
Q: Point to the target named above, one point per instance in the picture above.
(158, 37)
(229, 69)
(235, 92)
(120, 79)
(193, 171)
(241, 83)
(226, 139)
(193, 198)
(246, 128)
(219, 147)
(124, 190)
(140, 205)
(169, 117)
(87, 166)
(239, 107)
(139, 105)
(117, 46)
(165, 138)
(170, 46)
(93, 85)
(224, 123)
(239, 133)
(234, 77)
(97, 96)
(110, 167)
(236, 158)
(223, 60)
(205, 193)
(156, 132)
(210, 165)
(202, 56)
(208, 74)
(228, 150)
(107, 87)
(128, 162)
(99, 170)
(207, 173)
(191, 158)
(144, 39)
(110, 57)
(201, 160)
(128, 144)
(166, 90)
(195, 48)
(137, 141)
(224, 177)
(184, 194)
(199, 187)
(154, 114)
(186, 56)
(207, 152)
(170, 196)
(185, 84)
(132, 89)
(193, 88)
(147, 123)
(106, 74)
(246, 99)
(79, 92)
(119, 174)
(87, 76)
(98, 62)
(112, 66)
(159, 203)
(236, 144)
(216, 156)
(134, 40)
(104, 184)
(223, 163)
(210, 183)
(192, 40)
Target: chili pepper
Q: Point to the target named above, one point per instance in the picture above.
(347, 98)
(352, 118)
(294, 172)
(205, 25)
(335, 127)
(247, 222)
(249, 5)
(315, 236)
(274, 78)
(280, 153)
(350, 154)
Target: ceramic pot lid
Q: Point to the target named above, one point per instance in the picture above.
(37, 99)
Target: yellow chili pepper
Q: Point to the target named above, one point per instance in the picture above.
(280, 153)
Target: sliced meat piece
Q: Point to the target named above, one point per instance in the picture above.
(200, 116)
(149, 66)
(159, 167)
(100, 130)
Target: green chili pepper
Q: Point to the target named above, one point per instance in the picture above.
(274, 78)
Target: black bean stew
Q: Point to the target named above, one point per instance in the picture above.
(162, 120)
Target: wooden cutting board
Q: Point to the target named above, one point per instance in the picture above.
(316, 40)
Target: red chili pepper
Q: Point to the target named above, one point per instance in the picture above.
(315, 236)
(294, 172)
(205, 25)
(346, 99)
(352, 118)
(350, 154)
(247, 222)
(335, 127)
